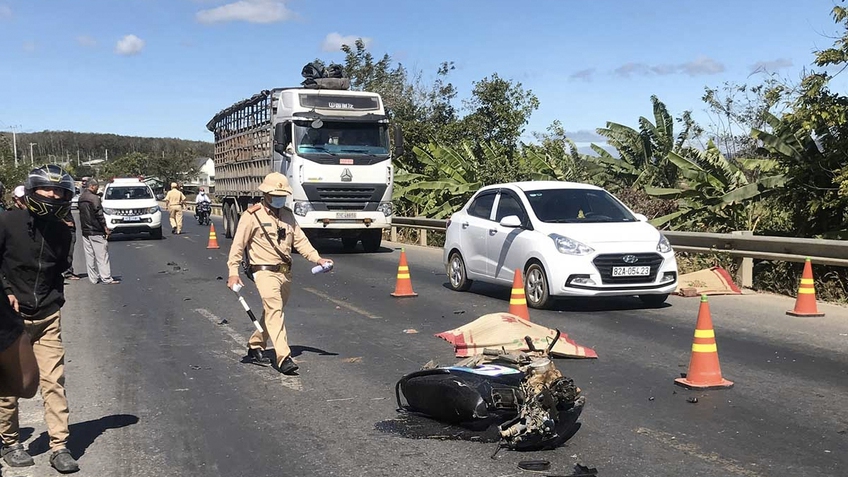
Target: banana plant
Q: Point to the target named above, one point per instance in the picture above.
(715, 192)
(448, 180)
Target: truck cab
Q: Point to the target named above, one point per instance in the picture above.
(334, 146)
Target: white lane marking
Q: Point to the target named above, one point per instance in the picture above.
(342, 303)
(670, 440)
(292, 382)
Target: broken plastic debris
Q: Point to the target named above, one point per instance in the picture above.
(692, 400)
(410, 331)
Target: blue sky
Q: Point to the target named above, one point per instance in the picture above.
(164, 67)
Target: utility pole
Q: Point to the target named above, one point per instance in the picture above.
(78, 161)
(15, 143)
(31, 157)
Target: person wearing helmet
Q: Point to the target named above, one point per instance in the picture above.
(266, 234)
(34, 248)
(175, 200)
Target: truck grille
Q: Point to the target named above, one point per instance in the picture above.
(605, 262)
(328, 197)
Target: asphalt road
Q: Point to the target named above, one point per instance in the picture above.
(156, 386)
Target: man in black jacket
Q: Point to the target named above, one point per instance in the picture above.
(95, 234)
(34, 248)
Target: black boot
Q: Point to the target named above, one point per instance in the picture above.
(257, 356)
(288, 366)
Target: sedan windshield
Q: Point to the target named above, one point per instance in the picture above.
(348, 138)
(128, 193)
(577, 206)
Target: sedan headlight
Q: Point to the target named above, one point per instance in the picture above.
(385, 208)
(302, 208)
(569, 246)
(109, 211)
(153, 210)
(663, 246)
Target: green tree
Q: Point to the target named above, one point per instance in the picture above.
(499, 112)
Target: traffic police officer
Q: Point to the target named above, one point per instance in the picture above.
(266, 233)
(175, 201)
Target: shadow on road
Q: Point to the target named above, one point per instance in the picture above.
(582, 305)
(299, 350)
(334, 246)
(83, 434)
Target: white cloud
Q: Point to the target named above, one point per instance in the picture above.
(5, 12)
(771, 66)
(129, 45)
(334, 41)
(30, 46)
(702, 66)
(86, 40)
(585, 75)
(251, 11)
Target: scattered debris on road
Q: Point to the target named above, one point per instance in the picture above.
(410, 331)
(692, 400)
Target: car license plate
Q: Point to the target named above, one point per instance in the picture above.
(631, 271)
(132, 219)
(345, 215)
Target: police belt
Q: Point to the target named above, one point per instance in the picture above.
(280, 267)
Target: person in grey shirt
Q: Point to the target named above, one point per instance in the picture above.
(94, 234)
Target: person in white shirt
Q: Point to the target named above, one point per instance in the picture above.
(202, 197)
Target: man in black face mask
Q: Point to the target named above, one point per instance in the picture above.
(34, 248)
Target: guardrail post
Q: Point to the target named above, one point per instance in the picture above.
(394, 234)
(745, 275)
(422, 237)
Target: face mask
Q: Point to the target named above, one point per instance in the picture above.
(278, 202)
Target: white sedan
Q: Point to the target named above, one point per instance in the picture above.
(568, 239)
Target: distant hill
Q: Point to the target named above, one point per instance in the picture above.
(63, 145)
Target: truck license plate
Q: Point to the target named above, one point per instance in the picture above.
(631, 271)
(345, 215)
(132, 219)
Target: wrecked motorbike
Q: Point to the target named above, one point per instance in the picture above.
(532, 404)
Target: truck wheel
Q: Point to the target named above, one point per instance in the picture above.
(371, 240)
(225, 212)
(349, 243)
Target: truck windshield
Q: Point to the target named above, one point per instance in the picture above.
(348, 138)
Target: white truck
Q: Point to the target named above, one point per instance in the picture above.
(332, 144)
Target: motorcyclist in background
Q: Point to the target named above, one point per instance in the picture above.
(203, 207)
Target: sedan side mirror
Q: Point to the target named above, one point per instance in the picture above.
(640, 217)
(511, 221)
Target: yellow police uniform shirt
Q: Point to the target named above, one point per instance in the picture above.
(174, 198)
(249, 236)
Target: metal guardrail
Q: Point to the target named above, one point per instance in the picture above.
(742, 245)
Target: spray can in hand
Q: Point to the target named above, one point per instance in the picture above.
(322, 268)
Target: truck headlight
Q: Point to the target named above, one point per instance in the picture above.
(153, 210)
(302, 208)
(109, 211)
(569, 246)
(663, 246)
(385, 208)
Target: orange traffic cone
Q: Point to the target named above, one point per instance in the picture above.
(805, 304)
(403, 287)
(213, 238)
(704, 370)
(517, 300)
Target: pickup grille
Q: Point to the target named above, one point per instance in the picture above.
(605, 262)
(130, 212)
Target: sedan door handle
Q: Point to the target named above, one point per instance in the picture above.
(493, 231)
(465, 225)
